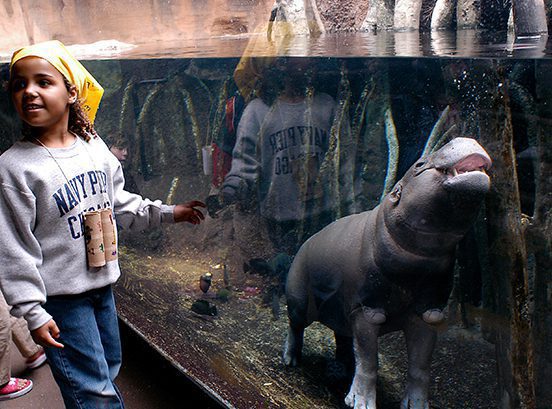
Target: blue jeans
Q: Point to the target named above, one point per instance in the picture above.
(86, 368)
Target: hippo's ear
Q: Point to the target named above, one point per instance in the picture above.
(395, 194)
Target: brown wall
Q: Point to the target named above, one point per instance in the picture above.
(130, 21)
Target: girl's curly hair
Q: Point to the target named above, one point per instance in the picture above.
(79, 124)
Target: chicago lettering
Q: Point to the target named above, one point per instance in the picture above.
(76, 223)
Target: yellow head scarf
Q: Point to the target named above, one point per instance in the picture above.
(89, 90)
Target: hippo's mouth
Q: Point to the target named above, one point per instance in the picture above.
(471, 163)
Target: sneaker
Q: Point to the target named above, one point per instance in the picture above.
(36, 360)
(15, 388)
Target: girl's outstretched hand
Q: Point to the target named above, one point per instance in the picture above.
(47, 335)
(187, 212)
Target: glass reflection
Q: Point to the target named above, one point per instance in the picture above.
(293, 144)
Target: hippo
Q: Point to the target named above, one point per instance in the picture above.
(388, 269)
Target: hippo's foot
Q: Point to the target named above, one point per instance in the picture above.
(414, 401)
(433, 316)
(361, 396)
(374, 316)
(292, 347)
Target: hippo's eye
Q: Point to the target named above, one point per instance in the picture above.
(444, 171)
(419, 164)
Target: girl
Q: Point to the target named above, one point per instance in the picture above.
(50, 183)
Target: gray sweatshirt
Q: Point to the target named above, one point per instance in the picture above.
(278, 154)
(42, 200)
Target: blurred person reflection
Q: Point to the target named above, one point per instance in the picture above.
(282, 141)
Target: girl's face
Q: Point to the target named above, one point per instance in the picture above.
(40, 95)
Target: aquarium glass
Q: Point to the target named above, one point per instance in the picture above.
(280, 146)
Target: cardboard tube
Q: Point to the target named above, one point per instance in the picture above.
(109, 236)
(95, 251)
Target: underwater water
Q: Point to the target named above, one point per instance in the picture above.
(333, 135)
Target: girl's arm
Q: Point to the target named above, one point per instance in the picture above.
(135, 213)
(21, 255)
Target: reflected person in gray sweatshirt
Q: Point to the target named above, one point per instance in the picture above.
(292, 149)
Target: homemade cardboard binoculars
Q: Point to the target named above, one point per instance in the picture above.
(100, 236)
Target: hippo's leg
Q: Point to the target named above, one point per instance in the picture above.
(298, 321)
(375, 315)
(344, 352)
(297, 297)
(340, 370)
(377, 292)
(420, 342)
(293, 346)
(433, 316)
(432, 297)
(362, 394)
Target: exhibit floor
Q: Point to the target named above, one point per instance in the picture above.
(146, 381)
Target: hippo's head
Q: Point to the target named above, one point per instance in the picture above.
(437, 200)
